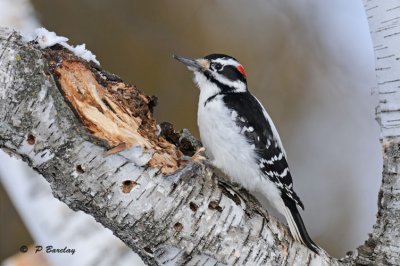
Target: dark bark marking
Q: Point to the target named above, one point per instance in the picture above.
(151, 191)
(247, 238)
(141, 194)
(6, 46)
(118, 168)
(247, 256)
(234, 197)
(213, 205)
(262, 227)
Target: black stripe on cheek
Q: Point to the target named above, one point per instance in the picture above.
(224, 88)
(232, 73)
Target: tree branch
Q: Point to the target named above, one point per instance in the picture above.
(95, 141)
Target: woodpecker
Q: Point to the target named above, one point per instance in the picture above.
(240, 138)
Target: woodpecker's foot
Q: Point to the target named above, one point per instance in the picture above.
(199, 155)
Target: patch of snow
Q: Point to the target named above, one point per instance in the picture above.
(44, 37)
(81, 51)
(47, 38)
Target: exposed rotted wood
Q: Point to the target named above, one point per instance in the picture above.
(110, 109)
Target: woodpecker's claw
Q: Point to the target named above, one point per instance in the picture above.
(198, 155)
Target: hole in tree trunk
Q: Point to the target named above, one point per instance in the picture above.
(178, 227)
(79, 169)
(193, 206)
(31, 139)
(127, 186)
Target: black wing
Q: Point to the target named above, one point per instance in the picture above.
(257, 129)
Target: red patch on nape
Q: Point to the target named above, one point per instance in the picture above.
(241, 70)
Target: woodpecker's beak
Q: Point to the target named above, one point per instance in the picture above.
(193, 64)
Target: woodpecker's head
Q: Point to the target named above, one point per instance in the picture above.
(217, 73)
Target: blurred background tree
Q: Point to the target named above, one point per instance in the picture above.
(310, 62)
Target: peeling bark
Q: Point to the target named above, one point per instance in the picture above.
(95, 141)
(111, 110)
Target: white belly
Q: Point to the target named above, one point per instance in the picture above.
(225, 146)
(230, 151)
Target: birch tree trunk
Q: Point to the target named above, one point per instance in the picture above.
(382, 247)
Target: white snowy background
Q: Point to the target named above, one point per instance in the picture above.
(310, 62)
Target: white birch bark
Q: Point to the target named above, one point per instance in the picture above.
(382, 247)
(384, 22)
(52, 223)
(94, 140)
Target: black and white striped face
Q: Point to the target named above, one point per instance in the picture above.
(217, 71)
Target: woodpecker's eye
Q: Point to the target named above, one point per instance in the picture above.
(216, 66)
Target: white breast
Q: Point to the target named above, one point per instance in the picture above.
(229, 150)
(225, 145)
